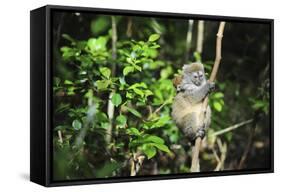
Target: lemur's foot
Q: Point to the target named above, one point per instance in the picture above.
(201, 132)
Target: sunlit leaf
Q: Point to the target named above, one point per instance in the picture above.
(153, 37)
(137, 67)
(154, 139)
(218, 95)
(105, 72)
(98, 44)
(102, 84)
(161, 122)
(121, 120)
(128, 70)
(217, 106)
(161, 147)
(116, 99)
(68, 82)
(149, 151)
(134, 112)
(76, 124)
(197, 56)
(133, 131)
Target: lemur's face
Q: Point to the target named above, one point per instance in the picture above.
(197, 77)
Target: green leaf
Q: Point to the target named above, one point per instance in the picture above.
(101, 117)
(68, 53)
(128, 70)
(68, 82)
(121, 120)
(105, 72)
(153, 37)
(104, 125)
(142, 84)
(76, 124)
(138, 68)
(130, 60)
(138, 91)
(129, 95)
(102, 84)
(134, 112)
(217, 106)
(161, 122)
(148, 92)
(218, 95)
(197, 56)
(133, 131)
(149, 151)
(154, 139)
(161, 147)
(116, 99)
(98, 44)
(100, 25)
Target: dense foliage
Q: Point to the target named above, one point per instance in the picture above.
(113, 90)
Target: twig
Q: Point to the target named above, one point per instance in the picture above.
(216, 155)
(160, 107)
(248, 147)
(223, 150)
(220, 132)
(195, 155)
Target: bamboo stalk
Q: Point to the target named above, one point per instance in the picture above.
(195, 156)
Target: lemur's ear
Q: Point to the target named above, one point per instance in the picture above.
(177, 80)
(189, 68)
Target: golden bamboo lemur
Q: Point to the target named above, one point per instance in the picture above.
(187, 104)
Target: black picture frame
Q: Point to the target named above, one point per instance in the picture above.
(41, 95)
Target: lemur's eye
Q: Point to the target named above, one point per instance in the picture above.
(195, 76)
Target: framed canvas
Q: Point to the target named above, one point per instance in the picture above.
(125, 95)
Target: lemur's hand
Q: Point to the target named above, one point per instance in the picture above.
(212, 86)
(179, 88)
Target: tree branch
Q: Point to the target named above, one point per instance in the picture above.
(195, 156)
(220, 132)
(136, 163)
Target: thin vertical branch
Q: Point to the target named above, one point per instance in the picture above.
(248, 147)
(129, 27)
(110, 106)
(60, 136)
(189, 37)
(195, 152)
(200, 37)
